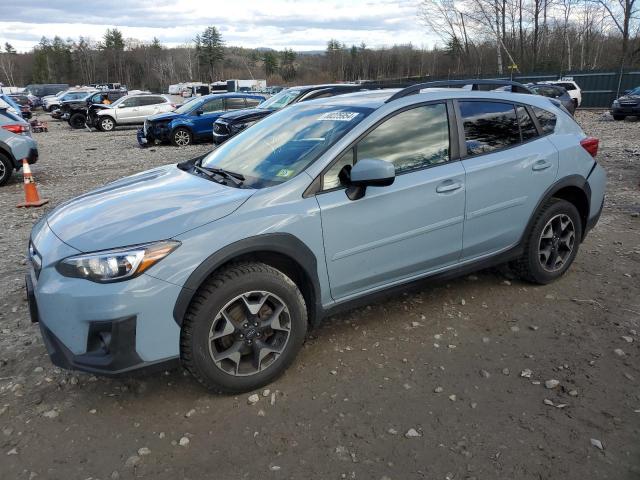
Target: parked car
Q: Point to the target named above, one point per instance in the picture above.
(232, 123)
(43, 89)
(132, 110)
(555, 92)
(24, 103)
(628, 105)
(233, 255)
(572, 88)
(53, 102)
(193, 121)
(82, 112)
(15, 144)
(8, 102)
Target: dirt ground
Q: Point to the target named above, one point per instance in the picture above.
(446, 381)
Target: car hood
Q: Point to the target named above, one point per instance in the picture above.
(150, 206)
(164, 117)
(629, 98)
(246, 114)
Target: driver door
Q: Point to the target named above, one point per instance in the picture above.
(127, 111)
(398, 232)
(210, 111)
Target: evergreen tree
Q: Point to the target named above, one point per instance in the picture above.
(270, 63)
(287, 66)
(9, 48)
(209, 50)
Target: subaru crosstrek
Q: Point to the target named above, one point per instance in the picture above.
(223, 262)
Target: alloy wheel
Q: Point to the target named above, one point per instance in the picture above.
(249, 333)
(182, 138)
(3, 171)
(107, 124)
(557, 242)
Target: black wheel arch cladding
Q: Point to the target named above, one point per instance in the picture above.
(281, 246)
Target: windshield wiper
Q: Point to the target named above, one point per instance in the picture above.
(235, 178)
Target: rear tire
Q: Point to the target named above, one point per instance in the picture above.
(181, 137)
(77, 120)
(6, 169)
(243, 328)
(552, 243)
(619, 117)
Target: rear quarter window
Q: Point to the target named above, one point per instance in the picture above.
(546, 119)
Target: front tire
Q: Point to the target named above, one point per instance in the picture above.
(106, 124)
(77, 120)
(619, 117)
(552, 244)
(181, 137)
(243, 328)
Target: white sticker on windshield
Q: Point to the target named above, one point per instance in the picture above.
(285, 172)
(339, 116)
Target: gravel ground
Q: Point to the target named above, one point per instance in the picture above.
(484, 377)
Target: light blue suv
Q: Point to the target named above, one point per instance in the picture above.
(223, 262)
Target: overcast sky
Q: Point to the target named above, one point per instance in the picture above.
(278, 24)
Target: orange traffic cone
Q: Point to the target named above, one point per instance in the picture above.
(31, 197)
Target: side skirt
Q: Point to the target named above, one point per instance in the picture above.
(458, 271)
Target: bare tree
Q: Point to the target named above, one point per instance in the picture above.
(623, 13)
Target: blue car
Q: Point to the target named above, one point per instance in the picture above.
(194, 120)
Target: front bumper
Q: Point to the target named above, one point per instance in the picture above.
(108, 329)
(631, 110)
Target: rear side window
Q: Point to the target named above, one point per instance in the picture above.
(151, 101)
(234, 103)
(527, 127)
(547, 120)
(252, 102)
(567, 86)
(489, 126)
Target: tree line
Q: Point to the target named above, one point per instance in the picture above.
(476, 37)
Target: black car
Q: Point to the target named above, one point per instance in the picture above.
(82, 112)
(627, 105)
(555, 92)
(232, 123)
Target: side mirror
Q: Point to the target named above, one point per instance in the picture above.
(369, 172)
(199, 112)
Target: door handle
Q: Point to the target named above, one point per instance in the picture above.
(540, 165)
(448, 186)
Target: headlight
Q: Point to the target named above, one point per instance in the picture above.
(116, 265)
(616, 103)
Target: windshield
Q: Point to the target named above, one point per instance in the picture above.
(280, 100)
(187, 107)
(285, 143)
(634, 91)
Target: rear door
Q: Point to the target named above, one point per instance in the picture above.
(149, 106)
(508, 168)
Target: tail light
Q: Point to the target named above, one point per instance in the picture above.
(590, 144)
(16, 128)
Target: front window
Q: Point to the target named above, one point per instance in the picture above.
(188, 106)
(282, 145)
(410, 140)
(280, 100)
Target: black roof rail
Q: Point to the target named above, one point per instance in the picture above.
(413, 89)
